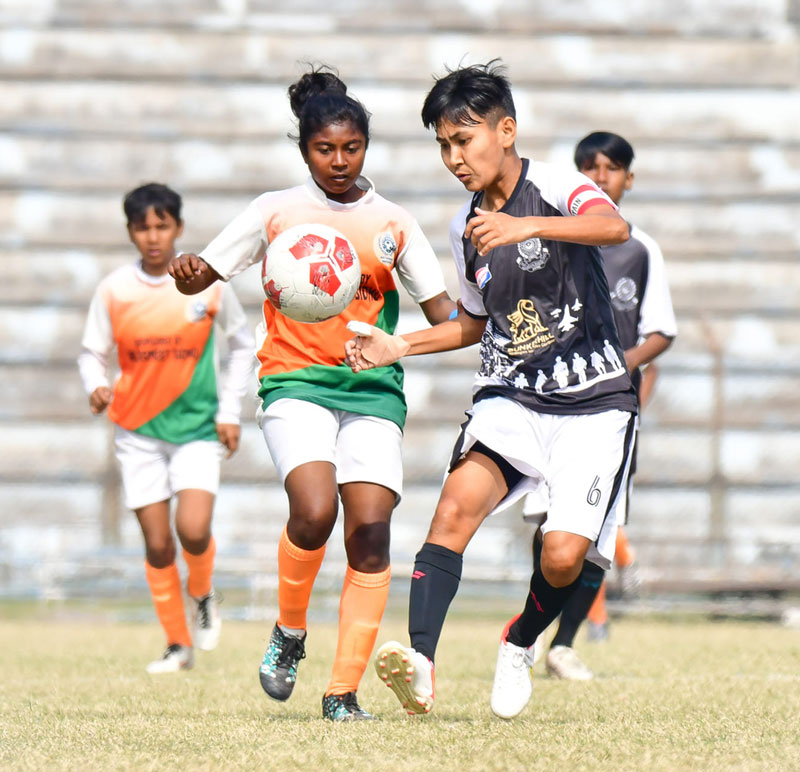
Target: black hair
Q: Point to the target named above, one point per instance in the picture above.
(480, 91)
(616, 148)
(160, 197)
(318, 99)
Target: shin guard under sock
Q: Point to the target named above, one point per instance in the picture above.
(434, 583)
(578, 604)
(543, 605)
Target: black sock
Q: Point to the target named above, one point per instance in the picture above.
(578, 604)
(543, 605)
(437, 572)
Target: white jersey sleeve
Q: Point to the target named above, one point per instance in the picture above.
(97, 343)
(418, 268)
(569, 191)
(657, 314)
(239, 245)
(237, 371)
(471, 298)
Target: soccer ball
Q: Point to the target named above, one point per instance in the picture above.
(310, 272)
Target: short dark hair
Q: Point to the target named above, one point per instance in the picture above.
(617, 148)
(480, 90)
(318, 99)
(154, 194)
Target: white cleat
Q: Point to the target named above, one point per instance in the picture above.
(207, 622)
(174, 659)
(512, 686)
(408, 674)
(535, 651)
(563, 662)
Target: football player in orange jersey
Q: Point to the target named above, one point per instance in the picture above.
(331, 434)
(173, 415)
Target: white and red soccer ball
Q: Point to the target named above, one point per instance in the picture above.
(310, 272)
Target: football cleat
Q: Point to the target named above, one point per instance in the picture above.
(563, 662)
(278, 671)
(207, 622)
(344, 707)
(175, 658)
(408, 674)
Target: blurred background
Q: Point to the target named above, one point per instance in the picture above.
(98, 97)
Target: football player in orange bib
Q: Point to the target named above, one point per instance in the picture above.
(173, 414)
(332, 435)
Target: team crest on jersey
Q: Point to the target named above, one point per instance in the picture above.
(623, 296)
(482, 276)
(385, 247)
(532, 255)
(196, 310)
(527, 331)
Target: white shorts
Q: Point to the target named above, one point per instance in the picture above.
(363, 448)
(575, 466)
(153, 470)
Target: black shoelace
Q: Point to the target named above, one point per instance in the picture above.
(292, 651)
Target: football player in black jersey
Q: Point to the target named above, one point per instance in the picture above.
(553, 404)
(646, 325)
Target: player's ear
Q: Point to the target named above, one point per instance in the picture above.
(507, 128)
(628, 180)
(180, 229)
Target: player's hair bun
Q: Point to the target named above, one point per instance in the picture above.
(322, 80)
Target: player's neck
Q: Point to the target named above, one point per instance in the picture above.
(500, 190)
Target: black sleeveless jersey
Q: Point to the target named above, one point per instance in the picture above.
(550, 341)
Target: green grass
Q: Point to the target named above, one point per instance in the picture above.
(668, 696)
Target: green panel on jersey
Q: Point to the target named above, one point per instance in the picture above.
(191, 416)
(377, 392)
(390, 313)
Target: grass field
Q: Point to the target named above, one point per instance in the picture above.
(669, 695)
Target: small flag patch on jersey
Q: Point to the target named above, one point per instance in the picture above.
(482, 276)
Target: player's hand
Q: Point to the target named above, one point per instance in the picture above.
(228, 435)
(185, 267)
(100, 399)
(487, 230)
(372, 347)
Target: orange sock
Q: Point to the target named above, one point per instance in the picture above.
(597, 613)
(360, 610)
(623, 555)
(297, 570)
(201, 569)
(165, 587)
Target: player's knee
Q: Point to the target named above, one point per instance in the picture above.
(368, 548)
(310, 526)
(160, 552)
(450, 517)
(195, 542)
(561, 565)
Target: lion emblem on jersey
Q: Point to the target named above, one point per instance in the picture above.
(623, 296)
(196, 310)
(385, 247)
(532, 255)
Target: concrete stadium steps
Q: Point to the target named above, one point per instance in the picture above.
(258, 110)
(727, 18)
(273, 56)
(247, 166)
(99, 97)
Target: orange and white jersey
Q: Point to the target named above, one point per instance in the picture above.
(167, 386)
(306, 361)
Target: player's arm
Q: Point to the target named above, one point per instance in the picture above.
(241, 243)
(600, 225)
(439, 309)
(648, 384)
(372, 347)
(97, 342)
(236, 372)
(652, 346)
